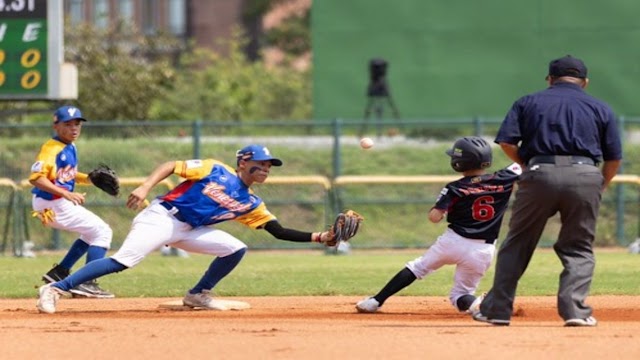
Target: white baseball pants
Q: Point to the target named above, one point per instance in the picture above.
(471, 257)
(155, 227)
(76, 218)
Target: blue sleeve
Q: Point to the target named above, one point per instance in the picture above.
(509, 131)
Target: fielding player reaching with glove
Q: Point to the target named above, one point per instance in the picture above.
(213, 192)
(474, 206)
(54, 176)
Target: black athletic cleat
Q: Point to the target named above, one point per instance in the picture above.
(90, 289)
(57, 273)
(498, 322)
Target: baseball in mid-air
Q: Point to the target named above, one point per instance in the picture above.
(366, 143)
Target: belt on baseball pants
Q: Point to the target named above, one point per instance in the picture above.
(562, 160)
(172, 210)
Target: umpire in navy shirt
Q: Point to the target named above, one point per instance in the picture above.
(560, 136)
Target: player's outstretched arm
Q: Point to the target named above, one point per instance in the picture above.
(281, 233)
(345, 227)
(140, 193)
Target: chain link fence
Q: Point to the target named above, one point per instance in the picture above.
(326, 152)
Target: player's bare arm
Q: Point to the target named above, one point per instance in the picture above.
(140, 193)
(609, 170)
(436, 215)
(44, 184)
(511, 151)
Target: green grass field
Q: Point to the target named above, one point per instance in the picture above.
(310, 273)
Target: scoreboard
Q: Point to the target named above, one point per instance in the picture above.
(31, 50)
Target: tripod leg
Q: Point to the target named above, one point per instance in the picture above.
(396, 114)
(379, 109)
(365, 120)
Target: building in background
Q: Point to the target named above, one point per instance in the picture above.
(204, 21)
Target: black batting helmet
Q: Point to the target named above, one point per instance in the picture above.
(469, 153)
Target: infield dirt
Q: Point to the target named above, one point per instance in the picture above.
(324, 327)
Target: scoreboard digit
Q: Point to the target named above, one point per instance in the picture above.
(30, 48)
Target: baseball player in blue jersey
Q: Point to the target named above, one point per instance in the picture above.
(474, 206)
(54, 176)
(213, 192)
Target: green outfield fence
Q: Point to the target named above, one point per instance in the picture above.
(468, 57)
(325, 171)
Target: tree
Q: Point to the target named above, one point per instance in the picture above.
(211, 87)
(120, 71)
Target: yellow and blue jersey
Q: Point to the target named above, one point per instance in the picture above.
(213, 193)
(57, 162)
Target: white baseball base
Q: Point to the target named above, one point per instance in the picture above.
(219, 304)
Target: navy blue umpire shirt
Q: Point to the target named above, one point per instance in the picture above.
(562, 120)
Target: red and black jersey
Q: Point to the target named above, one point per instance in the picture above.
(476, 205)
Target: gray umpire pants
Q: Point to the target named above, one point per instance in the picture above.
(543, 190)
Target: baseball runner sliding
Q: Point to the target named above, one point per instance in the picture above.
(474, 206)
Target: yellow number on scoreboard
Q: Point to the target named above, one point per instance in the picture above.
(30, 58)
(30, 79)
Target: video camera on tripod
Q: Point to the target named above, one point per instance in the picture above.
(378, 94)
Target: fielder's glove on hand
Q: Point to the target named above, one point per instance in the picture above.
(344, 227)
(105, 178)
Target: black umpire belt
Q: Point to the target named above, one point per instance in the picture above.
(562, 160)
(172, 210)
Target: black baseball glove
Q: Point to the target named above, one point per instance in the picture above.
(105, 178)
(344, 227)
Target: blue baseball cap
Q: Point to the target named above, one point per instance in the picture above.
(568, 66)
(67, 113)
(257, 152)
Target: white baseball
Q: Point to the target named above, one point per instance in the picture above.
(366, 143)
